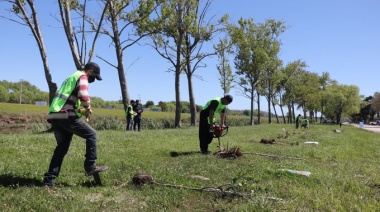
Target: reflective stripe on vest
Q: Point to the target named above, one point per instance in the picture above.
(64, 93)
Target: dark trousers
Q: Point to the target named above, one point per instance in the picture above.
(137, 122)
(129, 123)
(205, 137)
(63, 131)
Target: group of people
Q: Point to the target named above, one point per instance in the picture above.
(304, 124)
(72, 101)
(133, 115)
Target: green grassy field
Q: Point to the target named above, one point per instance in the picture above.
(344, 171)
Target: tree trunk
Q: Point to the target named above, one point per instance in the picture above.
(283, 115)
(193, 108)
(252, 122)
(275, 112)
(258, 108)
(34, 26)
(121, 72)
(269, 110)
(178, 106)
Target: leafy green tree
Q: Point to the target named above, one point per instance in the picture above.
(149, 104)
(173, 22)
(252, 53)
(4, 94)
(162, 105)
(375, 104)
(170, 107)
(267, 39)
(342, 100)
(223, 49)
(290, 82)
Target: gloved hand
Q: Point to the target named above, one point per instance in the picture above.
(85, 112)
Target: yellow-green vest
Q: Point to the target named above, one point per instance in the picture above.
(217, 110)
(64, 93)
(128, 111)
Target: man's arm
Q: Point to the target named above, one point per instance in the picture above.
(223, 118)
(211, 118)
(83, 94)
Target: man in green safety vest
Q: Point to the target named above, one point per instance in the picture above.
(129, 114)
(214, 107)
(70, 102)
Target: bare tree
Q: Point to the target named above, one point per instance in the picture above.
(125, 21)
(20, 9)
(199, 32)
(78, 47)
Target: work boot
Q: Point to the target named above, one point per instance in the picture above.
(96, 169)
(48, 183)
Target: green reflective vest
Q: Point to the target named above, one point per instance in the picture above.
(217, 110)
(128, 111)
(64, 93)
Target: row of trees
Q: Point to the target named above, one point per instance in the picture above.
(178, 30)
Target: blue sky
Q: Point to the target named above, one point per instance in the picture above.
(341, 37)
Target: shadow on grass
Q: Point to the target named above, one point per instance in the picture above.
(89, 184)
(176, 154)
(7, 180)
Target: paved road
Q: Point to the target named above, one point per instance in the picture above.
(372, 128)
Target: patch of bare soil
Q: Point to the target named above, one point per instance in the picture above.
(10, 123)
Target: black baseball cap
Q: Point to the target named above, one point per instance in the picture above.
(95, 67)
(229, 98)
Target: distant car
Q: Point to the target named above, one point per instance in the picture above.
(328, 121)
(374, 122)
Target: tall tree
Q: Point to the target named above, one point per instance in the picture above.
(252, 43)
(31, 20)
(342, 100)
(375, 104)
(224, 49)
(78, 47)
(291, 74)
(268, 40)
(199, 31)
(169, 42)
(125, 19)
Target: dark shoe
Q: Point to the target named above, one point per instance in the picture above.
(49, 183)
(97, 169)
(206, 152)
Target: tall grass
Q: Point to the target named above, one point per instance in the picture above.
(344, 171)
